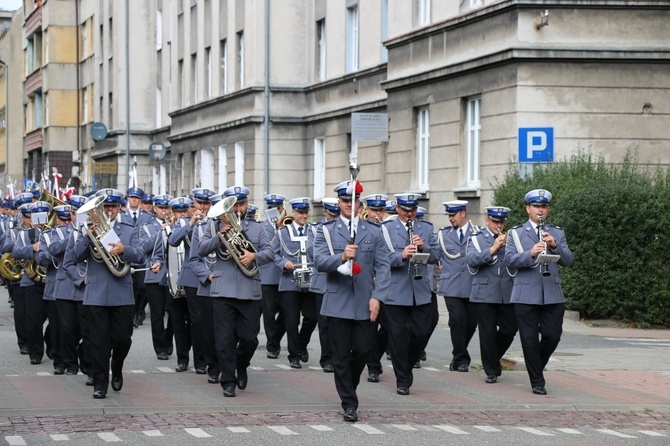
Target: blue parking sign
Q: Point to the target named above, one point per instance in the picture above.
(536, 144)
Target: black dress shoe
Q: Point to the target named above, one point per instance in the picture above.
(463, 368)
(491, 379)
(242, 379)
(35, 361)
(229, 390)
(89, 381)
(170, 351)
(117, 382)
(295, 364)
(24, 350)
(373, 377)
(136, 321)
(59, 370)
(181, 367)
(99, 394)
(350, 414)
(402, 390)
(71, 372)
(304, 356)
(328, 368)
(272, 355)
(213, 379)
(417, 364)
(163, 356)
(422, 356)
(201, 371)
(539, 390)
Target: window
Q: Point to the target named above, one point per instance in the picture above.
(163, 180)
(321, 50)
(422, 148)
(38, 109)
(110, 110)
(351, 40)
(319, 168)
(29, 57)
(180, 83)
(155, 180)
(473, 126)
(46, 111)
(208, 72)
(385, 30)
(223, 168)
(476, 3)
(84, 99)
(223, 75)
(159, 105)
(84, 42)
(423, 12)
(239, 164)
(207, 168)
(194, 79)
(181, 164)
(159, 30)
(240, 60)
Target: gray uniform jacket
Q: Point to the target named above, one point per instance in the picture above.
(491, 282)
(200, 266)
(70, 277)
(406, 290)
(152, 239)
(23, 249)
(455, 280)
(348, 297)
(143, 217)
(227, 278)
(286, 247)
(318, 283)
(269, 272)
(530, 287)
(102, 287)
(181, 233)
(44, 258)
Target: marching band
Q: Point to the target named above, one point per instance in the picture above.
(366, 273)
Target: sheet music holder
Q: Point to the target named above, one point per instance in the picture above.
(420, 257)
(547, 258)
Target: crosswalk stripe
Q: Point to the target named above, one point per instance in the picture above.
(238, 430)
(487, 428)
(566, 430)
(59, 437)
(321, 428)
(533, 431)
(282, 430)
(368, 429)
(313, 367)
(404, 427)
(166, 369)
(653, 433)
(258, 369)
(153, 433)
(615, 433)
(43, 374)
(283, 366)
(109, 437)
(135, 371)
(432, 369)
(15, 440)
(638, 339)
(451, 429)
(197, 432)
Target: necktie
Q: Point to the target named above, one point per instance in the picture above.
(300, 231)
(461, 236)
(135, 217)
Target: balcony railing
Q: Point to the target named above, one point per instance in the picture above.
(33, 140)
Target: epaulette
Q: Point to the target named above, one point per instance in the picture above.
(476, 233)
(447, 227)
(555, 226)
(127, 223)
(426, 222)
(517, 227)
(253, 221)
(330, 222)
(388, 221)
(373, 223)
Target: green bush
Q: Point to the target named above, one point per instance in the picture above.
(617, 221)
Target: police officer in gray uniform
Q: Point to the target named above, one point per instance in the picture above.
(351, 302)
(235, 295)
(110, 298)
(138, 217)
(407, 309)
(491, 291)
(456, 282)
(537, 293)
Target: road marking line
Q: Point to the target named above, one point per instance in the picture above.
(533, 431)
(43, 374)
(315, 367)
(321, 428)
(432, 369)
(258, 369)
(487, 428)
(153, 433)
(282, 430)
(283, 366)
(135, 371)
(166, 369)
(404, 427)
(15, 440)
(59, 437)
(451, 429)
(566, 430)
(615, 433)
(238, 430)
(637, 339)
(368, 429)
(653, 433)
(197, 432)
(109, 437)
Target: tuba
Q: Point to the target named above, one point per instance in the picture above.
(100, 254)
(234, 240)
(10, 268)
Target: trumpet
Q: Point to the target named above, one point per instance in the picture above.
(410, 232)
(503, 234)
(544, 266)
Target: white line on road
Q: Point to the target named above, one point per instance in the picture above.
(15, 440)
(283, 366)
(451, 429)
(109, 437)
(368, 429)
(534, 431)
(313, 367)
(487, 428)
(59, 437)
(153, 433)
(432, 369)
(43, 374)
(615, 433)
(197, 432)
(258, 369)
(321, 428)
(566, 430)
(404, 427)
(238, 430)
(135, 371)
(282, 430)
(166, 369)
(637, 339)
(653, 433)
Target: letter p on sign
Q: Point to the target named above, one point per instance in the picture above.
(536, 145)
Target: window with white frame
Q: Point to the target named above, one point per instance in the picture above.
(223, 60)
(207, 168)
(321, 49)
(240, 60)
(423, 12)
(194, 78)
(180, 83)
(476, 3)
(159, 105)
(473, 127)
(208, 73)
(159, 29)
(163, 179)
(351, 39)
(156, 180)
(319, 168)
(422, 148)
(84, 100)
(182, 173)
(223, 168)
(239, 164)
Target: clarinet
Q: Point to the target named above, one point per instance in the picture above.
(544, 266)
(410, 232)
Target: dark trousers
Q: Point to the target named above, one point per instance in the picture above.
(236, 327)
(54, 333)
(202, 331)
(70, 333)
(295, 303)
(140, 293)
(181, 324)
(462, 324)
(380, 344)
(497, 326)
(273, 317)
(36, 314)
(161, 336)
(351, 342)
(540, 329)
(324, 334)
(20, 310)
(111, 331)
(86, 363)
(408, 335)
